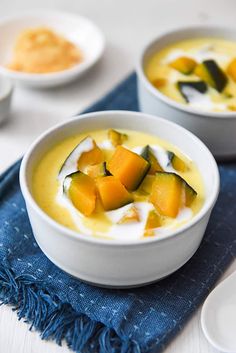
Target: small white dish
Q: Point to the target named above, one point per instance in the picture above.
(218, 316)
(79, 30)
(215, 129)
(6, 90)
(117, 262)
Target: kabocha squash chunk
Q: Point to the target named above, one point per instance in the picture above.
(170, 192)
(159, 82)
(112, 193)
(96, 170)
(146, 185)
(81, 190)
(185, 88)
(84, 154)
(130, 216)
(231, 69)
(184, 65)
(190, 194)
(232, 107)
(177, 163)
(148, 154)
(153, 220)
(91, 157)
(128, 167)
(211, 73)
(116, 138)
(166, 194)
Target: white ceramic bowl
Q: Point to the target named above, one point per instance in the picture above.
(6, 90)
(79, 30)
(113, 262)
(217, 130)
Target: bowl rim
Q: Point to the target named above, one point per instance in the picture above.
(70, 72)
(207, 206)
(9, 89)
(157, 94)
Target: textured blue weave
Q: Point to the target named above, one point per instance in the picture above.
(102, 320)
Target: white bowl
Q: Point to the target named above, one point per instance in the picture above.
(6, 90)
(216, 129)
(115, 262)
(79, 30)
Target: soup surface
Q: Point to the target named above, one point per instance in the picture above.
(129, 185)
(199, 72)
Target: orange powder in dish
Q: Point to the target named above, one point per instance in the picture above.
(40, 50)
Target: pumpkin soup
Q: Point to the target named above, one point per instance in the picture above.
(118, 184)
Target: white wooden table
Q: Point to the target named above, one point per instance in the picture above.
(127, 24)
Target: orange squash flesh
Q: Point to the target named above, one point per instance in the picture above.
(96, 170)
(153, 220)
(231, 69)
(116, 137)
(147, 154)
(112, 193)
(179, 164)
(128, 167)
(184, 65)
(82, 193)
(166, 194)
(189, 193)
(146, 185)
(94, 156)
(159, 82)
(131, 216)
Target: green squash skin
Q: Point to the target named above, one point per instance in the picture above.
(199, 86)
(140, 180)
(71, 176)
(217, 75)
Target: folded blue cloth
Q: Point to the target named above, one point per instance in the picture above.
(92, 319)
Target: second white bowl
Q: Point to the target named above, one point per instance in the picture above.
(215, 129)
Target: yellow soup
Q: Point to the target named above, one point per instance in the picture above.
(175, 70)
(141, 212)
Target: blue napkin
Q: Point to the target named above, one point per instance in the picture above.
(92, 319)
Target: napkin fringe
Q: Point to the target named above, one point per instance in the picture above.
(56, 320)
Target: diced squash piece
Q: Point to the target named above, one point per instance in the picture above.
(159, 82)
(112, 193)
(96, 170)
(228, 95)
(116, 137)
(232, 107)
(231, 69)
(146, 185)
(170, 192)
(184, 65)
(81, 190)
(210, 72)
(177, 163)
(166, 194)
(190, 194)
(85, 148)
(128, 167)
(186, 88)
(130, 216)
(149, 233)
(148, 154)
(153, 220)
(91, 157)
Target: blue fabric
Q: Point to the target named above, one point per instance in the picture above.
(103, 320)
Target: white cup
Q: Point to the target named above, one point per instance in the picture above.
(6, 90)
